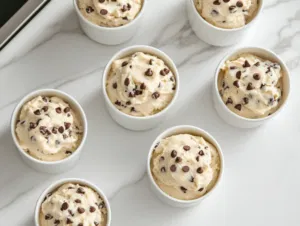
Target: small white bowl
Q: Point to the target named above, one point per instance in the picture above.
(59, 183)
(109, 35)
(180, 130)
(214, 35)
(133, 122)
(44, 166)
(232, 118)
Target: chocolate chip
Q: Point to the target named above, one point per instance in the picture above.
(236, 83)
(37, 112)
(149, 72)
(22, 123)
(103, 11)
(118, 103)
(162, 158)
(164, 71)
(126, 82)
(186, 147)
(201, 153)
(192, 179)
(201, 189)
(64, 206)
(197, 158)
(32, 138)
(67, 125)
(151, 61)
(239, 4)
(89, 9)
(256, 76)
(226, 1)
(96, 223)
(45, 108)
(138, 92)
(200, 170)
(48, 217)
(45, 99)
(80, 210)
(125, 18)
(58, 110)
(238, 107)
(143, 86)
(238, 75)
(101, 1)
(250, 86)
(173, 168)
(32, 125)
(43, 130)
(54, 130)
(124, 63)
(69, 221)
(214, 12)
(185, 169)
(178, 160)
(131, 95)
(163, 169)
(246, 100)
(173, 154)
(132, 109)
(61, 129)
(56, 221)
(155, 95)
(115, 85)
(229, 101)
(128, 102)
(232, 67)
(92, 209)
(246, 64)
(77, 200)
(231, 8)
(128, 6)
(183, 189)
(257, 64)
(80, 191)
(65, 136)
(216, 2)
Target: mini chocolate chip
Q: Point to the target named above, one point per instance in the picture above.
(115, 85)
(103, 11)
(96, 223)
(246, 100)
(173, 168)
(226, 1)
(149, 72)
(250, 86)
(239, 4)
(151, 61)
(216, 2)
(77, 200)
(236, 83)
(124, 63)
(246, 64)
(257, 64)
(45, 108)
(186, 147)
(173, 154)
(229, 101)
(201, 153)
(92, 209)
(89, 9)
(163, 169)
(58, 110)
(80, 191)
(32, 138)
(232, 7)
(192, 179)
(125, 18)
(126, 82)
(54, 130)
(201, 189)
(69, 221)
(37, 112)
(56, 221)
(185, 169)
(256, 76)
(48, 217)
(155, 95)
(178, 160)
(64, 206)
(45, 99)
(22, 123)
(118, 103)
(132, 109)
(162, 158)
(32, 125)
(143, 86)
(232, 67)
(101, 1)
(183, 189)
(200, 170)
(128, 102)
(214, 12)
(238, 107)
(164, 71)
(197, 158)
(43, 130)
(67, 125)
(61, 129)
(131, 95)
(238, 75)
(65, 136)
(80, 210)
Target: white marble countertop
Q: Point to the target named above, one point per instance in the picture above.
(262, 181)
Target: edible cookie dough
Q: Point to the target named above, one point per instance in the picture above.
(250, 86)
(227, 13)
(48, 129)
(110, 13)
(73, 204)
(185, 166)
(140, 84)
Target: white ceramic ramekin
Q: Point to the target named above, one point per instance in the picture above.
(232, 118)
(43, 166)
(59, 183)
(214, 35)
(184, 129)
(132, 122)
(109, 35)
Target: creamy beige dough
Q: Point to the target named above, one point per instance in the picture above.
(48, 129)
(184, 166)
(251, 86)
(110, 13)
(140, 84)
(227, 13)
(73, 204)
